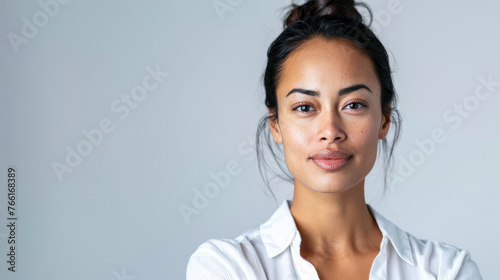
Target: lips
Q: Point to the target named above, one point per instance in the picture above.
(331, 160)
(332, 154)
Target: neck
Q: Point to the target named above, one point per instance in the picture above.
(334, 224)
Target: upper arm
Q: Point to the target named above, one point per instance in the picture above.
(445, 261)
(221, 259)
(467, 268)
(204, 264)
(458, 265)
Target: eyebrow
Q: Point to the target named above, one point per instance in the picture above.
(341, 92)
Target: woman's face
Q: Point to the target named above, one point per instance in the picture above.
(329, 99)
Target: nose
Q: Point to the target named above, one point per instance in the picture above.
(330, 127)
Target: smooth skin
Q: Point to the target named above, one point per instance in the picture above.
(340, 237)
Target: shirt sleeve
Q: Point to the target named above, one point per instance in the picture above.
(466, 268)
(221, 260)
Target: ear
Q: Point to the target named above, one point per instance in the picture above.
(275, 129)
(384, 126)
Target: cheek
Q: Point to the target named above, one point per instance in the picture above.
(295, 139)
(365, 135)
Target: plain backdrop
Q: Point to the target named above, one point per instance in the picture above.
(109, 207)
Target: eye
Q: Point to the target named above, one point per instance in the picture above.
(303, 108)
(355, 105)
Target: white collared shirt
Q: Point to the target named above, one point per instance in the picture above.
(272, 251)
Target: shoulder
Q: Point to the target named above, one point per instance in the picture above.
(444, 260)
(429, 259)
(226, 259)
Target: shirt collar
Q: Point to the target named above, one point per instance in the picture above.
(278, 232)
(400, 239)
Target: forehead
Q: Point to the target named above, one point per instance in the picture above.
(327, 65)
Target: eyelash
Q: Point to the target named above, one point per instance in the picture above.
(359, 102)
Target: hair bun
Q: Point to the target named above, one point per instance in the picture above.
(321, 7)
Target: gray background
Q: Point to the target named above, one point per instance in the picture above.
(116, 215)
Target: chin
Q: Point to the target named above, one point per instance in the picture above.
(332, 187)
(319, 180)
(330, 184)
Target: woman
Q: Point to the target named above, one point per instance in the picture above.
(330, 98)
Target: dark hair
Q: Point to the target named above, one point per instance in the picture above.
(327, 20)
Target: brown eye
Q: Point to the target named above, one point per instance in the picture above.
(355, 105)
(303, 108)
